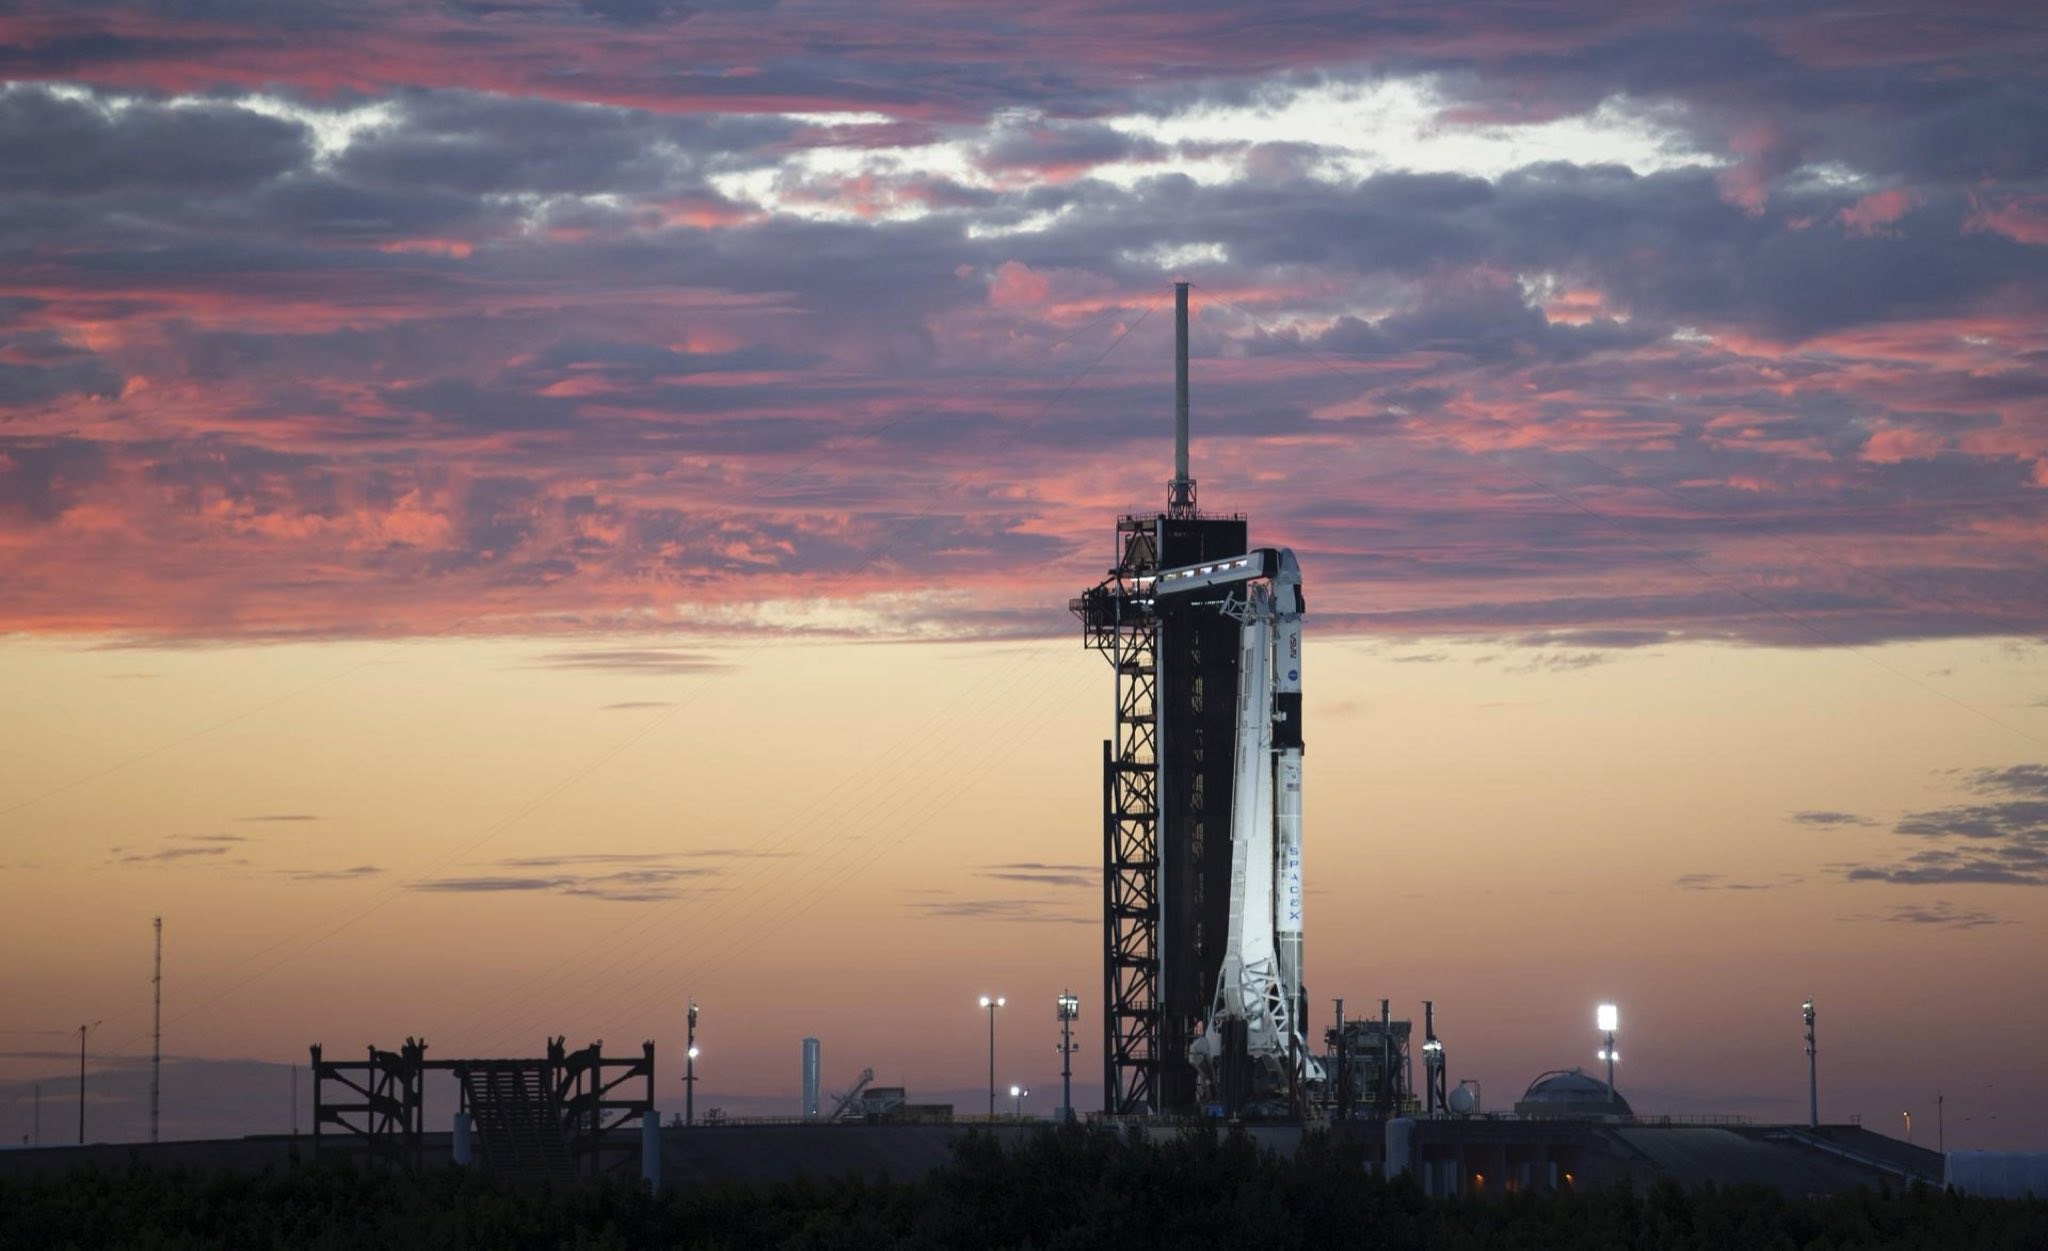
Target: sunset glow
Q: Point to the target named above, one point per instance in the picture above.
(513, 517)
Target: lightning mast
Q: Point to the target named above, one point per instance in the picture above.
(1180, 493)
(156, 1044)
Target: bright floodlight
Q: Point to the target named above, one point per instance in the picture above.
(1607, 1018)
(693, 1053)
(1016, 1091)
(987, 1002)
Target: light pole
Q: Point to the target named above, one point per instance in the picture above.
(1017, 1093)
(1909, 1127)
(1070, 1007)
(991, 1004)
(1607, 1018)
(690, 1071)
(1812, 1072)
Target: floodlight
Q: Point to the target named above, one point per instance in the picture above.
(1608, 1018)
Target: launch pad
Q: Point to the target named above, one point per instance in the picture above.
(1204, 1005)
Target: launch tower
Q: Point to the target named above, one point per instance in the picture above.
(1166, 785)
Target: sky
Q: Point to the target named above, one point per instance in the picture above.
(514, 515)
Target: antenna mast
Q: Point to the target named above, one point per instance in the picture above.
(1180, 495)
(156, 1045)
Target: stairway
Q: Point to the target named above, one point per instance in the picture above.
(518, 1118)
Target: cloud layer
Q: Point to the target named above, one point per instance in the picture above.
(2000, 840)
(1672, 321)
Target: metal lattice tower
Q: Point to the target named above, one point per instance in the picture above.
(156, 1045)
(1117, 623)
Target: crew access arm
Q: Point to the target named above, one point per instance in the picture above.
(1259, 981)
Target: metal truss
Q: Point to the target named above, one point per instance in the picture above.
(1117, 620)
(562, 1115)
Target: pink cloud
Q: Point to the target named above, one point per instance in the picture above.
(1871, 214)
(2020, 218)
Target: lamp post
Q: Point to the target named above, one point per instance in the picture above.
(1017, 1093)
(1070, 1007)
(690, 1071)
(1607, 1018)
(991, 1004)
(1909, 1127)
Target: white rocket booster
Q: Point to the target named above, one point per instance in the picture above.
(1259, 981)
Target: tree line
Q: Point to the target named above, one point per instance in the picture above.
(1071, 1187)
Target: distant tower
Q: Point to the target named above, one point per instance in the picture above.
(1167, 782)
(156, 1044)
(1812, 1069)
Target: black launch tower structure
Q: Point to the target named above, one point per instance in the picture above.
(1166, 785)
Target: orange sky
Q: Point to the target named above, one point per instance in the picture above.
(1513, 839)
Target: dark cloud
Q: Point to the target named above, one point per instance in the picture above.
(1000, 910)
(52, 369)
(1057, 147)
(2026, 779)
(59, 147)
(281, 817)
(1819, 817)
(598, 857)
(1041, 866)
(490, 885)
(166, 855)
(645, 878)
(1596, 638)
(1939, 914)
(1559, 662)
(41, 479)
(1717, 881)
(351, 874)
(2004, 842)
(648, 661)
(1035, 874)
(641, 12)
